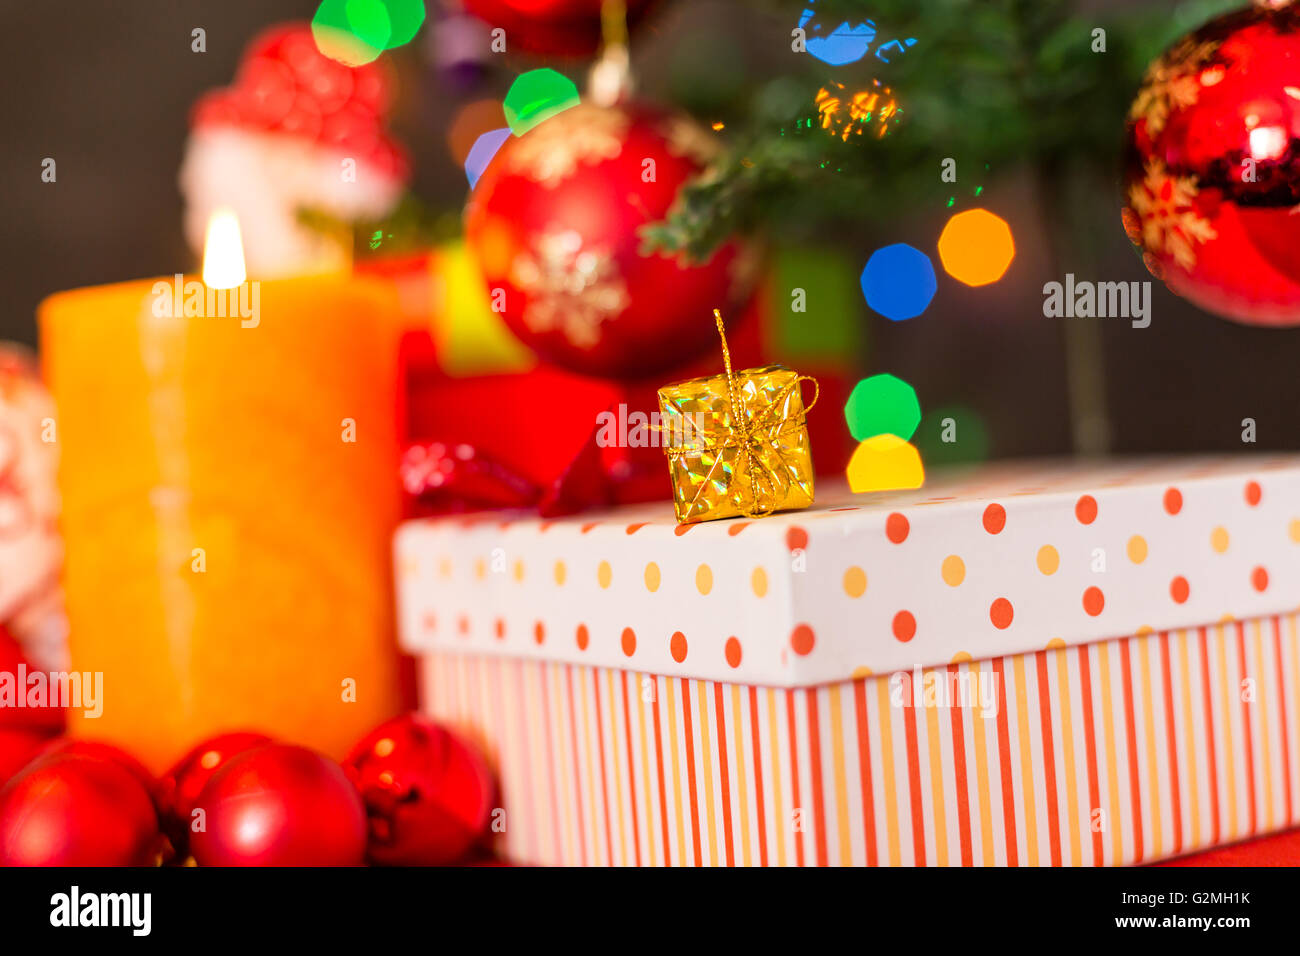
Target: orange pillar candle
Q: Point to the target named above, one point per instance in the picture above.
(229, 492)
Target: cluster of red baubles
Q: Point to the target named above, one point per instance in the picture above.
(409, 793)
(286, 85)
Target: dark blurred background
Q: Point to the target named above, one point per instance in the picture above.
(105, 88)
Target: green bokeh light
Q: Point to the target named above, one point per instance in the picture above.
(406, 18)
(354, 32)
(823, 283)
(882, 404)
(368, 21)
(536, 96)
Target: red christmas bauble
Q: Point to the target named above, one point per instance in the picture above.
(563, 27)
(98, 750)
(1213, 170)
(555, 223)
(280, 805)
(428, 795)
(73, 810)
(179, 787)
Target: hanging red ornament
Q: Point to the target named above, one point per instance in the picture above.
(556, 222)
(179, 787)
(561, 27)
(1213, 171)
(72, 810)
(279, 805)
(428, 794)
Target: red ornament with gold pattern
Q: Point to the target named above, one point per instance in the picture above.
(556, 225)
(1213, 171)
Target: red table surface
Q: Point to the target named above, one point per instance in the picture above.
(1280, 849)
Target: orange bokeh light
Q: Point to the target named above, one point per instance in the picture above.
(470, 122)
(976, 247)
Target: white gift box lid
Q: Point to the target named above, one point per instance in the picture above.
(983, 561)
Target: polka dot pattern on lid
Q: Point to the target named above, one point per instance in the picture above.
(995, 519)
(802, 639)
(855, 582)
(953, 571)
(1253, 493)
(1173, 501)
(1001, 614)
(865, 584)
(1179, 589)
(733, 652)
(704, 579)
(1085, 509)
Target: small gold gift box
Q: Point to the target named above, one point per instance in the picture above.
(737, 443)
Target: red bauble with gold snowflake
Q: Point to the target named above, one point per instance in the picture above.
(1213, 176)
(556, 224)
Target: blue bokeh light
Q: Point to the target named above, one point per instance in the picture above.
(838, 45)
(899, 281)
(481, 153)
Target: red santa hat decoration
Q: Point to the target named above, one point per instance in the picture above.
(296, 131)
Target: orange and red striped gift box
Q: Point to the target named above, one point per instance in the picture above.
(1017, 665)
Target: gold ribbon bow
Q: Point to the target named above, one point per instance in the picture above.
(763, 482)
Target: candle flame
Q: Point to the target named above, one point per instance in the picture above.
(223, 252)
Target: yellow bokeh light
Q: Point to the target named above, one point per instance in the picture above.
(976, 247)
(885, 463)
(844, 114)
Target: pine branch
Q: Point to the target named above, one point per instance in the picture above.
(996, 82)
